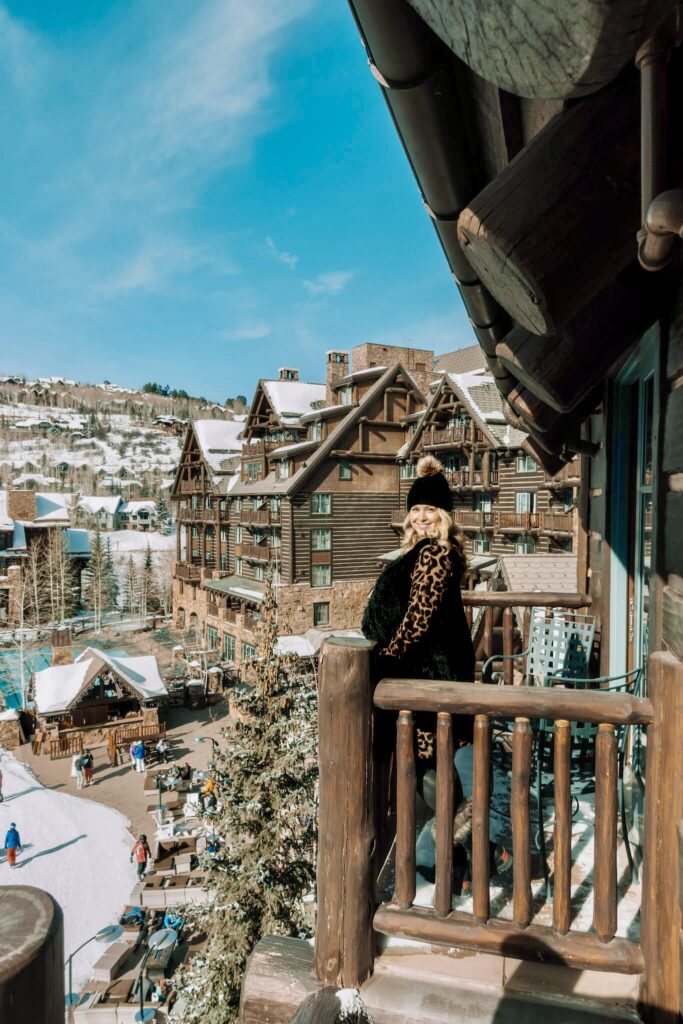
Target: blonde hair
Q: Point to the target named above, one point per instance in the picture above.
(446, 534)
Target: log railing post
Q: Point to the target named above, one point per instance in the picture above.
(31, 956)
(344, 947)
(660, 995)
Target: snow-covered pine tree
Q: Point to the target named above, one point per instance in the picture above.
(264, 864)
(162, 515)
(95, 579)
(112, 580)
(149, 588)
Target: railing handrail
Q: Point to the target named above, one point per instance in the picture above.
(524, 599)
(581, 705)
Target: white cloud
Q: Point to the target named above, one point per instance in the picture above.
(156, 263)
(251, 331)
(21, 53)
(287, 258)
(329, 284)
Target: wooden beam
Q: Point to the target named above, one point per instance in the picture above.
(559, 222)
(503, 938)
(32, 960)
(513, 701)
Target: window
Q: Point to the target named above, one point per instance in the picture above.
(238, 535)
(224, 561)
(224, 536)
(276, 576)
(239, 566)
(283, 468)
(275, 538)
(345, 395)
(258, 572)
(407, 471)
(228, 647)
(321, 575)
(482, 501)
(211, 638)
(248, 652)
(321, 540)
(525, 501)
(274, 504)
(316, 431)
(252, 470)
(194, 501)
(481, 544)
(525, 545)
(525, 463)
(321, 613)
(237, 505)
(321, 504)
(344, 470)
(207, 501)
(567, 499)
(452, 462)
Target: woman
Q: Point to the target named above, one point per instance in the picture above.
(415, 612)
(416, 616)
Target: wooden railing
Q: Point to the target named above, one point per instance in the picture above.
(255, 517)
(477, 520)
(194, 515)
(66, 746)
(127, 734)
(228, 615)
(519, 521)
(355, 806)
(184, 571)
(557, 522)
(258, 551)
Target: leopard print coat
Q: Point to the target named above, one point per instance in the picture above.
(416, 616)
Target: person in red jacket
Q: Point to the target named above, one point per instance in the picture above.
(142, 853)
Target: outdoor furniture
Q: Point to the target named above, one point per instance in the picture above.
(559, 648)
(108, 964)
(582, 758)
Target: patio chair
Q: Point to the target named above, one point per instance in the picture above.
(559, 648)
(582, 761)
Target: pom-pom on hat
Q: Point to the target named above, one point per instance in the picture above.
(431, 486)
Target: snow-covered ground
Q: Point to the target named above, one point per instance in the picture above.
(77, 850)
(134, 541)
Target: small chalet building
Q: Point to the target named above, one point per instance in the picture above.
(137, 515)
(100, 511)
(503, 499)
(98, 688)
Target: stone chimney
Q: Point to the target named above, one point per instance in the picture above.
(62, 652)
(22, 505)
(418, 361)
(337, 367)
(287, 373)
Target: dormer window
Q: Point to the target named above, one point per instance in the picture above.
(316, 431)
(283, 469)
(345, 395)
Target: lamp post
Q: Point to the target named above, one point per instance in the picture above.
(161, 939)
(110, 933)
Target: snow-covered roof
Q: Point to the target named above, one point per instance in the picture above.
(52, 507)
(290, 399)
(219, 441)
(37, 478)
(139, 505)
(327, 411)
(480, 394)
(58, 687)
(237, 586)
(92, 504)
(290, 449)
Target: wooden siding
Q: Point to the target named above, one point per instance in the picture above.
(670, 520)
(360, 534)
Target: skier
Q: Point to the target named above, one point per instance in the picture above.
(142, 853)
(12, 844)
(87, 762)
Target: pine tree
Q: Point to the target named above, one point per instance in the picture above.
(266, 828)
(131, 587)
(149, 589)
(95, 591)
(111, 579)
(163, 516)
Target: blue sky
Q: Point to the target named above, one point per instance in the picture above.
(199, 191)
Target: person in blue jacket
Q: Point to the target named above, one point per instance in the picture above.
(12, 844)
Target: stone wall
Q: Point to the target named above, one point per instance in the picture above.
(346, 599)
(11, 734)
(21, 505)
(418, 361)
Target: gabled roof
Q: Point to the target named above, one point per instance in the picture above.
(52, 507)
(92, 504)
(139, 505)
(482, 399)
(462, 360)
(292, 398)
(218, 441)
(59, 687)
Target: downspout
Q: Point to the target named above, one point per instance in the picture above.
(662, 211)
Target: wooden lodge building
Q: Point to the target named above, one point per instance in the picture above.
(503, 499)
(313, 484)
